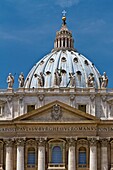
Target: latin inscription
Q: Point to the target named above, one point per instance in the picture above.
(56, 129)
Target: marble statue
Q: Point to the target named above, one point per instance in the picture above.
(90, 80)
(41, 80)
(72, 80)
(10, 80)
(57, 78)
(21, 80)
(104, 80)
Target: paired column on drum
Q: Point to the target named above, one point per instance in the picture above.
(93, 153)
(71, 154)
(9, 154)
(20, 154)
(104, 154)
(41, 153)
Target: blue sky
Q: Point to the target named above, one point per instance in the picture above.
(28, 29)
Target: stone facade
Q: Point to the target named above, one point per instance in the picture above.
(66, 126)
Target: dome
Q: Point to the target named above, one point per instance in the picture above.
(64, 66)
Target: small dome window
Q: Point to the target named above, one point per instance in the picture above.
(75, 60)
(86, 62)
(41, 62)
(63, 59)
(27, 78)
(35, 75)
(51, 60)
(48, 72)
(63, 71)
(79, 73)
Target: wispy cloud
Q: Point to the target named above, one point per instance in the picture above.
(93, 26)
(67, 3)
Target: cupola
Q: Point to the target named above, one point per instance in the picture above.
(64, 39)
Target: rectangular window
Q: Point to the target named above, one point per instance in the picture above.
(82, 108)
(30, 108)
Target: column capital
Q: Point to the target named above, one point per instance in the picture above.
(41, 141)
(93, 140)
(71, 141)
(20, 141)
(8, 142)
(104, 141)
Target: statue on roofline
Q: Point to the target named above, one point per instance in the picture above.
(21, 80)
(10, 80)
(90, 80)
(104, 80)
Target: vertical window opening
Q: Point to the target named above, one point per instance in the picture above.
(56, 155)
(31, 157)
(82, 157)
(63, 42)
(60, 42)
(67, 42)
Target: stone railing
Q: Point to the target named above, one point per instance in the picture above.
(56, 90)
(56, 166)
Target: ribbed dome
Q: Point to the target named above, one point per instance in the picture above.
(65, 62)
(64, 66)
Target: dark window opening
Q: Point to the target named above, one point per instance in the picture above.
(30, 108)
(63, 42)
(82, 157)
(82, 108)
(31, 157)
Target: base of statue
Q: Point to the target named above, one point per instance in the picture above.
(21, 89)
(92, 90)
(10, 90)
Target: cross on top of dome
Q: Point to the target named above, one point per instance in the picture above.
(64, 17)
(64, 13)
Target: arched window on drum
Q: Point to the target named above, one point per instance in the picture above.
(57, 155)
(82, 157)
(31, 159)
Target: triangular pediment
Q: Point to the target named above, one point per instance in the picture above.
(56, 112)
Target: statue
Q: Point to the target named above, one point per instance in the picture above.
(72, 80)
(41, 80)
(104, 80)
(90, 80)
(58, 77)
(21, 80)
(10, 81)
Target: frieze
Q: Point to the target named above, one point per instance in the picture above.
(55, 129)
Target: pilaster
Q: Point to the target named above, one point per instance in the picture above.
(20, 153)
(9, 154)
(104, 153)
(71, 154)
(41, 153)
(93, 153)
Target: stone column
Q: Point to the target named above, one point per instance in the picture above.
(20, 154)
(9, 154)
(93, 153)
(41, 153)
(71, 154)
(59, 43)
(104, 154)
(66, 42)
